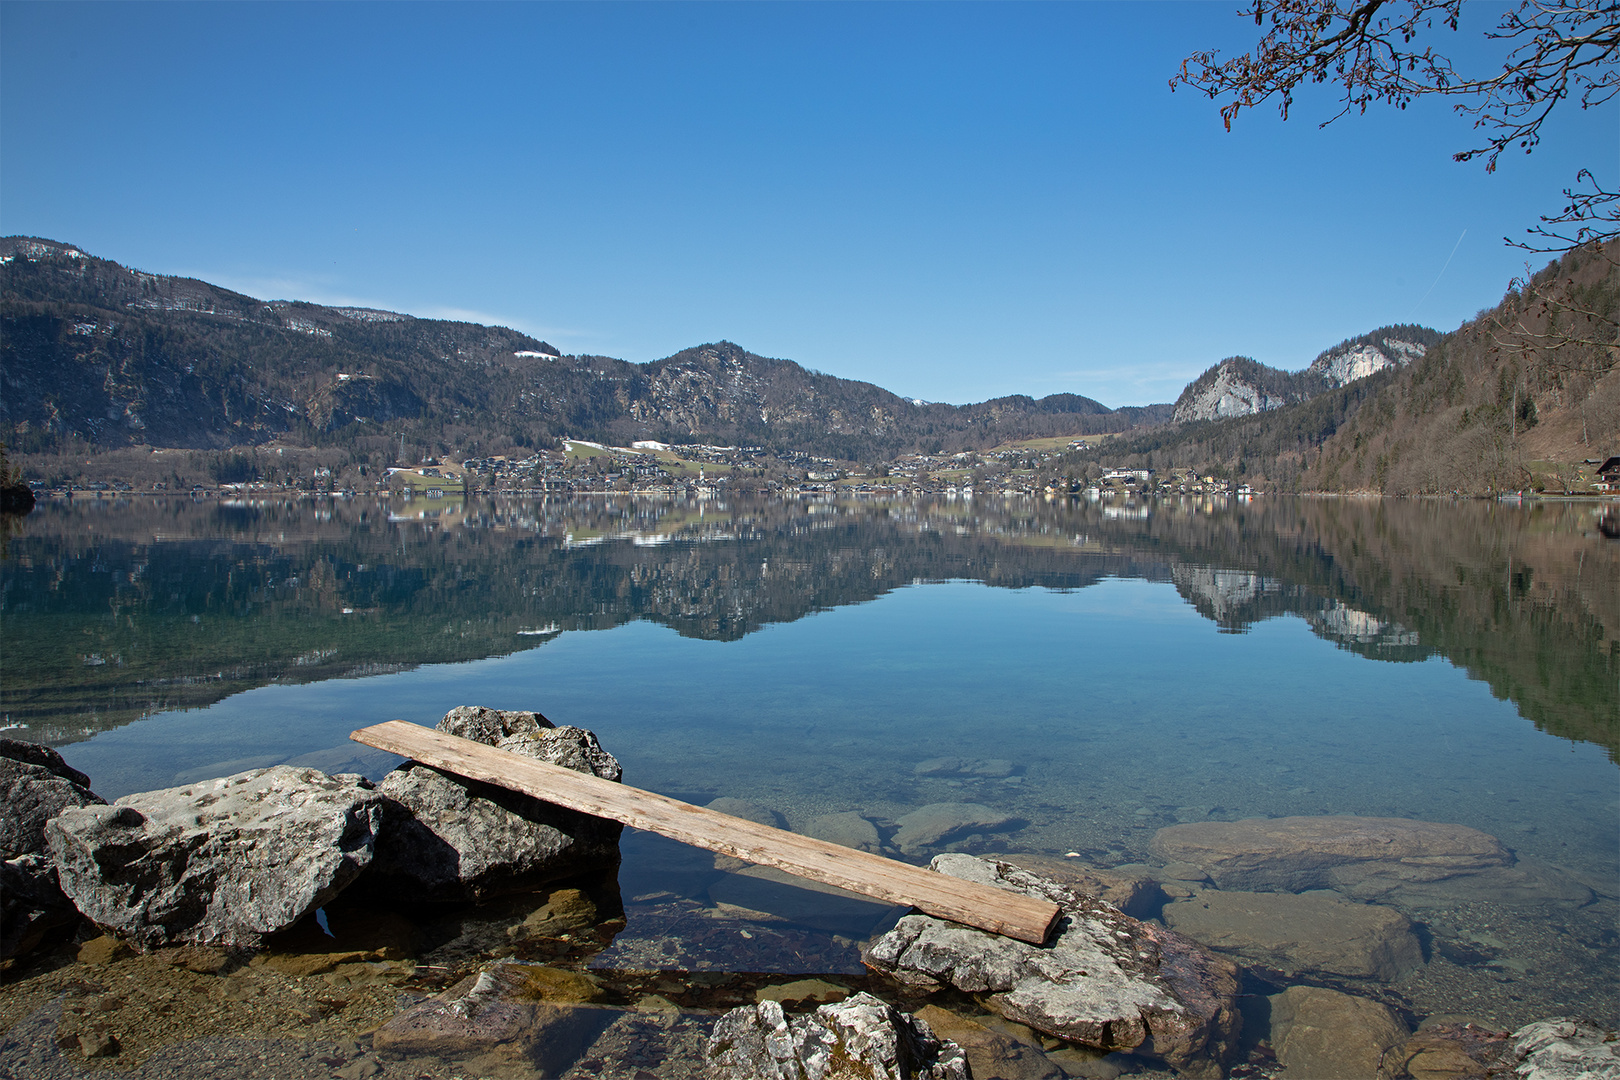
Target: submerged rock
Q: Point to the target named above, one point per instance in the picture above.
(457, 840)
(860, 1036)
(503, 1011)
(1105, 979)
(991, 1053)
(1295, 854)
(1457, 1052)
(222, 862)
(1315, 931)
(1566, 1049)
(848, 829)
(927, 826)
(1323, 1033)
(748, 810)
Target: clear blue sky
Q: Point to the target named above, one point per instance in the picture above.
(952, 201)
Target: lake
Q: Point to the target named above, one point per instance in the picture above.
(1092, 672)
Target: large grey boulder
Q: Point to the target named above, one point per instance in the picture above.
(1104, 979)
(860, 1036)
(220, 862)
(1566, 1049)
(1313, 932)
(35, 786)
(453, 840)
(1364, 856)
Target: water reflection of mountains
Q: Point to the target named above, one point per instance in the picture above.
(113, 611)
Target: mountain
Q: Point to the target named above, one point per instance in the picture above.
(1520, 397)
(95, 353)
(1389, 346)
(1239, 386)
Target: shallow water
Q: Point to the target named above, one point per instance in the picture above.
(1135, 667)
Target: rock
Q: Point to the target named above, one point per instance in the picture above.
(799, 990)
(1315, 932)
(1129, 888)
(566, 911)
(35, 786)
(1322, 1033)
(748, 811)
(990, 768)
(1566, 1049)
(495, 1012)
(1295, 854)
(1105, 979)
(43, 756)
(350, 935)
(858, 1037)
(1457, 1052)
(1185, 872)
(848, 829)
(1529, 881)
(800, 900)
(103, 950)
(532, 735)
(98, 1044)
(221, 862)
(34, 789)
(457, 840)
(990, 1054)
(31, 904)
(936, 822)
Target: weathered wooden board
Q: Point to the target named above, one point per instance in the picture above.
(967, 902)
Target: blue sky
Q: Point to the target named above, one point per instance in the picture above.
(952, 201)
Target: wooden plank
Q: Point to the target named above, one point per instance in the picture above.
(984, 906)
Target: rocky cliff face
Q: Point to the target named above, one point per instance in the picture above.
(1239, 386)
(1389, 346)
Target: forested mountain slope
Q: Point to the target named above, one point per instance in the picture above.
(1517, 398)
(93, 352)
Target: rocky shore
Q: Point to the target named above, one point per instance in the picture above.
(429, 926)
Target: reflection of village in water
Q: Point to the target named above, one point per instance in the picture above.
(943, 731)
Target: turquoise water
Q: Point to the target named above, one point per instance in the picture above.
(1122, 701)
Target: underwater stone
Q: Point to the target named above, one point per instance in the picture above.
(929, 825)
(848, 829)
(1318, 1032)
(1315, 931)
(1294, 854)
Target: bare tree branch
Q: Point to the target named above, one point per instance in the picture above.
(1376, 50)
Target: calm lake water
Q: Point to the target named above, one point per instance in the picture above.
(1138, 665)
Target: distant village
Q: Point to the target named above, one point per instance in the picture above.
(1045, 468)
